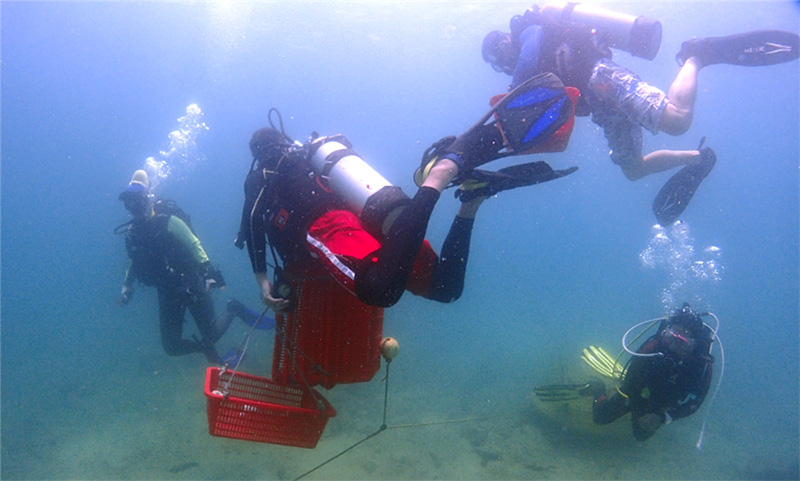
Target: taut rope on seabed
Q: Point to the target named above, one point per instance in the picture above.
(392, 351)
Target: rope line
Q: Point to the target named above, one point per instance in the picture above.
(449, 421)
(384, 427)
(226, 384)
(336, 456)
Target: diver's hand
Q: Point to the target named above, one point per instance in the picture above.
(126, 295)
(277, 304)
(211, 283)
(213, 277)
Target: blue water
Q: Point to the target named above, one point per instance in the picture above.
(91, 90)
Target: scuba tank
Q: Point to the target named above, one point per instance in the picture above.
(340, 170)
(343, 171)
(639, 36)
(367, 193)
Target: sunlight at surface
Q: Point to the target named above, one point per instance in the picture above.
(228, 21)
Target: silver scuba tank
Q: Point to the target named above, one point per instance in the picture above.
(639, 36)
(343, 171)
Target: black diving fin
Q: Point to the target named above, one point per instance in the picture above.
(569, 392)
(482, 183)
(674, 196)
(750, 49)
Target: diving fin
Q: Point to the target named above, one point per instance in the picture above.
(557, 141)
(599, 360)
(531, 113)
(525, 117)
(249, 317)
(674, 196)
(750, 49)
(569, 392)
(483, 183)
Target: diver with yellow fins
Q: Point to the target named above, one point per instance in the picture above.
(667, 377)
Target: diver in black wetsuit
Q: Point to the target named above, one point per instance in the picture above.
(346, 243)
(668, 380)
(381, 252)
(286, 208)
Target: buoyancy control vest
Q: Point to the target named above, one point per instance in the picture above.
(321, 176)
(295, 198)
(571, 52)
(663, 382)
(578, 36)
(158, 258)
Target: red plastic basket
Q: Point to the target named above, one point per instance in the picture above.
(258, 409)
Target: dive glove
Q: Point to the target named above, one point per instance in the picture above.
(212, 277)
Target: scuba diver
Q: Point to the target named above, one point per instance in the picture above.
(574, 41)
(666, 379)
(326, 214)
(165, 253)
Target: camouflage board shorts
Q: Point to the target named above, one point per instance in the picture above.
(622, 105)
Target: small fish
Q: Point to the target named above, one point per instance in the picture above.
(183, 467)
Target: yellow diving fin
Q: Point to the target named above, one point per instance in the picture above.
(599, 360)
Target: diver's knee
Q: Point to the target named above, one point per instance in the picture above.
(633, 172)
(676, 129)
(445, 296)
(377, 295)
(453, 298)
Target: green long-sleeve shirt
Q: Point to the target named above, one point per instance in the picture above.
(184, 234)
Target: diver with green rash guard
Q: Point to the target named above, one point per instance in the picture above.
(165, 253)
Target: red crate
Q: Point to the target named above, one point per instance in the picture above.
(258, 409)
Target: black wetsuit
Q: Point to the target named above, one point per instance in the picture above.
(281, 205)
(160, 258)
(660, 385)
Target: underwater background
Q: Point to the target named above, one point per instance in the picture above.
(91, 90)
